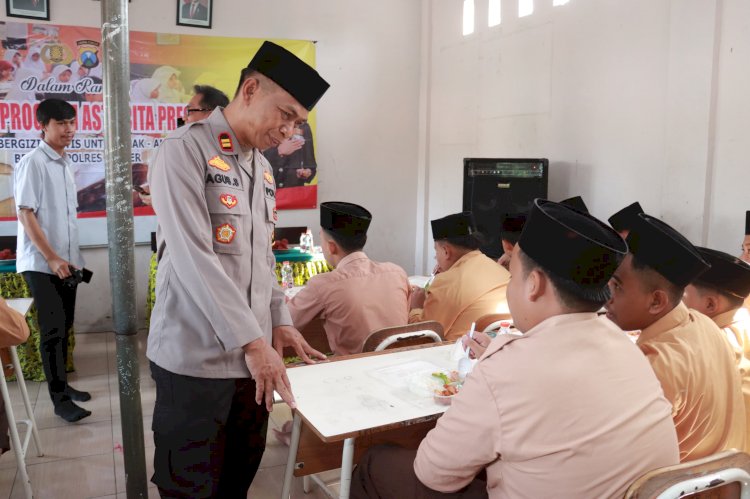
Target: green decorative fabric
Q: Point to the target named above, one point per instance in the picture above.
(151, 289)
(303, 271)
(13, 285)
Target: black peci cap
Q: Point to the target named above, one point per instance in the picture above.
(456, 225)
(656, 244)
(344, 219)
(290, 72)
(576, 202)
(728, 274)
(571, 244)
(623, 219)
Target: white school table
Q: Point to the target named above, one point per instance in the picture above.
(360, 396)
(22, 306)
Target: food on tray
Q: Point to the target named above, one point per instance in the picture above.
(7, 254)
(451, 386)
(447, 377)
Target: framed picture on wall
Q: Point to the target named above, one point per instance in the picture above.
(31, 9)
(194, 13)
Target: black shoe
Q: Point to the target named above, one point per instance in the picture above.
(71, 412)
(77, 395)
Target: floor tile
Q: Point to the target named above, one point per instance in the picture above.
(77, 440)
(148, 435)
(91, 476)
(269, 481)
(7, 477)
(120, 468)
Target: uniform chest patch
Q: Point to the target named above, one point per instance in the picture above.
(267, 175)
(219, 163)
(228, 200)
(225, 142)
(225, 233)
(220, 178)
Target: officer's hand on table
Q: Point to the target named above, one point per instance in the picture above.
(477, 345)
(268, 370)
(59, 266)
(288, 336)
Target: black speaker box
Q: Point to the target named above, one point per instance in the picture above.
(496, 186)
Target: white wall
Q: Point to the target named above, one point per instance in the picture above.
(366, 124)
(630, 100)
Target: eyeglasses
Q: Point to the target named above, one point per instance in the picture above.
(195, 110)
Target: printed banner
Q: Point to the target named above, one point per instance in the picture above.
(42, 61)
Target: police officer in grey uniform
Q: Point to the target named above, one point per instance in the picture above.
(220, 321)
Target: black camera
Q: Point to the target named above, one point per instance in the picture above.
(77, 276)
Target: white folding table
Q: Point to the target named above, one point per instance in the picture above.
(362, 396)
(21, 305)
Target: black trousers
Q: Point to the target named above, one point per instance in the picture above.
(387, 471)
(55, 306)
(209, 434)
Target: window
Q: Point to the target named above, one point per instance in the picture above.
(493, 13)
(525, 8)
(468, 17)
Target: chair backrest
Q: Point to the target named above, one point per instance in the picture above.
(719, 476)
(490, 322)
(404, 336)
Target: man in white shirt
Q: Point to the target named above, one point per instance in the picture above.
(48, 252)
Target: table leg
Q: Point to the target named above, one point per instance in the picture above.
(306, 484)
(26, 402)
(15, 441)
(347, 458)
(291, 461)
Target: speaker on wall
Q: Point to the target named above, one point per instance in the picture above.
(496, 186)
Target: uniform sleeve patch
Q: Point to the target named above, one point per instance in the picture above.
(225, 233)
(228, 200)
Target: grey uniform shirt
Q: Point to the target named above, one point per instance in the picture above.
(216, 288)
(43, 183)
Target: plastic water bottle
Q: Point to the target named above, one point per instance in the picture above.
(309, 240)
(287, 276)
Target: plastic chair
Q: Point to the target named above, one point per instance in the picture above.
(491, 322)
(418, 333)
(720, 476)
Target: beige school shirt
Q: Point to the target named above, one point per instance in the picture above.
(357, 298)
(696, 367)
(736, 325)
(215, 285)
(569, 409)
(474, 286)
